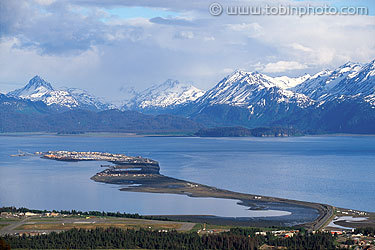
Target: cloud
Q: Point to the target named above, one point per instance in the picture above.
(19, 65)
(251, 29)
(52, 29)
(45, 2)
(282, 66)
(300, 47)
(185, 35)
(82, 43)
(172, 21)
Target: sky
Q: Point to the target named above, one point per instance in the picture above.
(112, 47)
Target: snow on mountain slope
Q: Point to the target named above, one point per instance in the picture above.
(327, 82)
(38, 89)
(59, 97)
(34, 90)
(360, 82)
(170, 93)
(286, 82)
(245, 89)
(85, 99)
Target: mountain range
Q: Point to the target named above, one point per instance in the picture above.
(161, 97)
(38, 89)
(331, 101)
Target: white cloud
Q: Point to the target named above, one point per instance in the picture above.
(250, 29)
(300, 47)
(45, 2)
(209, 38)
(282, 66)
(228, 70)
(185, 35)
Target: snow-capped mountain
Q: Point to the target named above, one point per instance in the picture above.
(360, 82)
(38, 89)
(350, 80)
(34, 90)
(86, 100)
(247, 89)
(255, 91)
(248, 99)
(332, 100)
(166, 95)
(324, 83)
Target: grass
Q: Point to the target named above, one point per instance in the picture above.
(8, 219)
(37, 218)
(3, 225)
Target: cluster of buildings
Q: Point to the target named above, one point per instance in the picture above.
(280, 233)
(351, 240)
(26, 214)
(96, 156)
(124, 173)
(352, 212)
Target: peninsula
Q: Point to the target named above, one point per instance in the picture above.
(140, 174)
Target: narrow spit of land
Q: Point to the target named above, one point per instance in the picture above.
(156, 183)
(145, 173)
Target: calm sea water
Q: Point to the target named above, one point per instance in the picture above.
(335, 170)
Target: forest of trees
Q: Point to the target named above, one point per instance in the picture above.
(367, 231)
(114, 238)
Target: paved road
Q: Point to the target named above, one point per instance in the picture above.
(325, 218)
(10, 228)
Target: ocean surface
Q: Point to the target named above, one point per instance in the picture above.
(337, 170)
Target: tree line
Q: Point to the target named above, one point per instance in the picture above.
(366, 231)
(115, 238)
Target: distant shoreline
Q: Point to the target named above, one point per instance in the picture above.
(129, 135)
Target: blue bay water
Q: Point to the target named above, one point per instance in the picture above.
(338, 170)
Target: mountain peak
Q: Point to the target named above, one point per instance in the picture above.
(37, 89)
(370, 65)
(256, 78)
(37, 81)
(168, 84)
(244, 72)
(349, 66)
(169, 93)
(37, 77)
(171, 82)
(34, 89)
